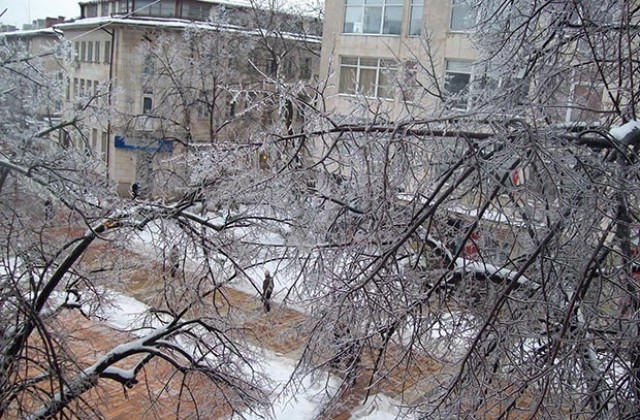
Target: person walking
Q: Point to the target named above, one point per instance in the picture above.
(267, 290)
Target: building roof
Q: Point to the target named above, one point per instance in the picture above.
(32, 32)
(176, 24)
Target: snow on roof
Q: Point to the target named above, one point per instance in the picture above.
(626, 132)
(489, 215)
(470, 266)
(178, 24)
(32, 32)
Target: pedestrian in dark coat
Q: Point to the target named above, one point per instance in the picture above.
(267, 290)
(134, 191)
(174, 260)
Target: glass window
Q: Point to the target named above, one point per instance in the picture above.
(147, 104)
(123, 6)
(97, 56)
(367, 76)
(373, 17)
(142, 7)
(305, 68)
(103, 147)
(586, 103)
(462, 15)
(456, 82)
(90, 51)
(162, 8)
(107, 52)
(149, 65)
(91, 10)
(415, 22)
(83, 51)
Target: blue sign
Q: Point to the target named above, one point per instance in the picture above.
(156, 146)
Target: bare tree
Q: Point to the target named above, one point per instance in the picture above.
(479, 262)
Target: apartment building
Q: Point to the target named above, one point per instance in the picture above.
(367, 44)
(121, 65)
(415, 57)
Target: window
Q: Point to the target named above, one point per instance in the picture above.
(107, 52)
(162, 8)
(91, 10)
(409, 80)
(123, 6)
(104, 10)
(305, 68)
(90, 51)
(97, 56)
(83, 51)
(147, 104)
(149, 65)
(68, 92)
(456, 82)
(103, 146)
(198, 12)
(77, 50)
(462, 15)
(94, 139)
(415, 22)
(82, 92)
(367, 76)
(586, 103)
(271, 67)
(75, 87)
(373, 17)
(142, 7)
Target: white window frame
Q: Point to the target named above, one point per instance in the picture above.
(447, 71)
(362, 6)
(383, 64)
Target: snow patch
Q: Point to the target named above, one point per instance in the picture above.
(626, 132)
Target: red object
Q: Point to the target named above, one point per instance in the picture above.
(515, 177)
(470, 250)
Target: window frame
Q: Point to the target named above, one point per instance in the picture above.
(362, 7)
(107, 52)
(146, 110)
(467, 97)
(381, 65)
(579, 107)
(470, 16)
(413, 5)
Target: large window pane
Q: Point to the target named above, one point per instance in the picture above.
(372, 19)
(392, 20)
(353, 20)
(462, 15)
(385, 82)
(367, 82)
(369, 62)
(347, 79)
(368, 76)
(456, 82)
(373, 16)
(415, 24)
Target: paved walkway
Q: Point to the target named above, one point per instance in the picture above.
(283, 331)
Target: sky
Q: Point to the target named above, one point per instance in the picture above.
(20, 12)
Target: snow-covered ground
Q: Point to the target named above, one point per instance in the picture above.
(301, 403)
